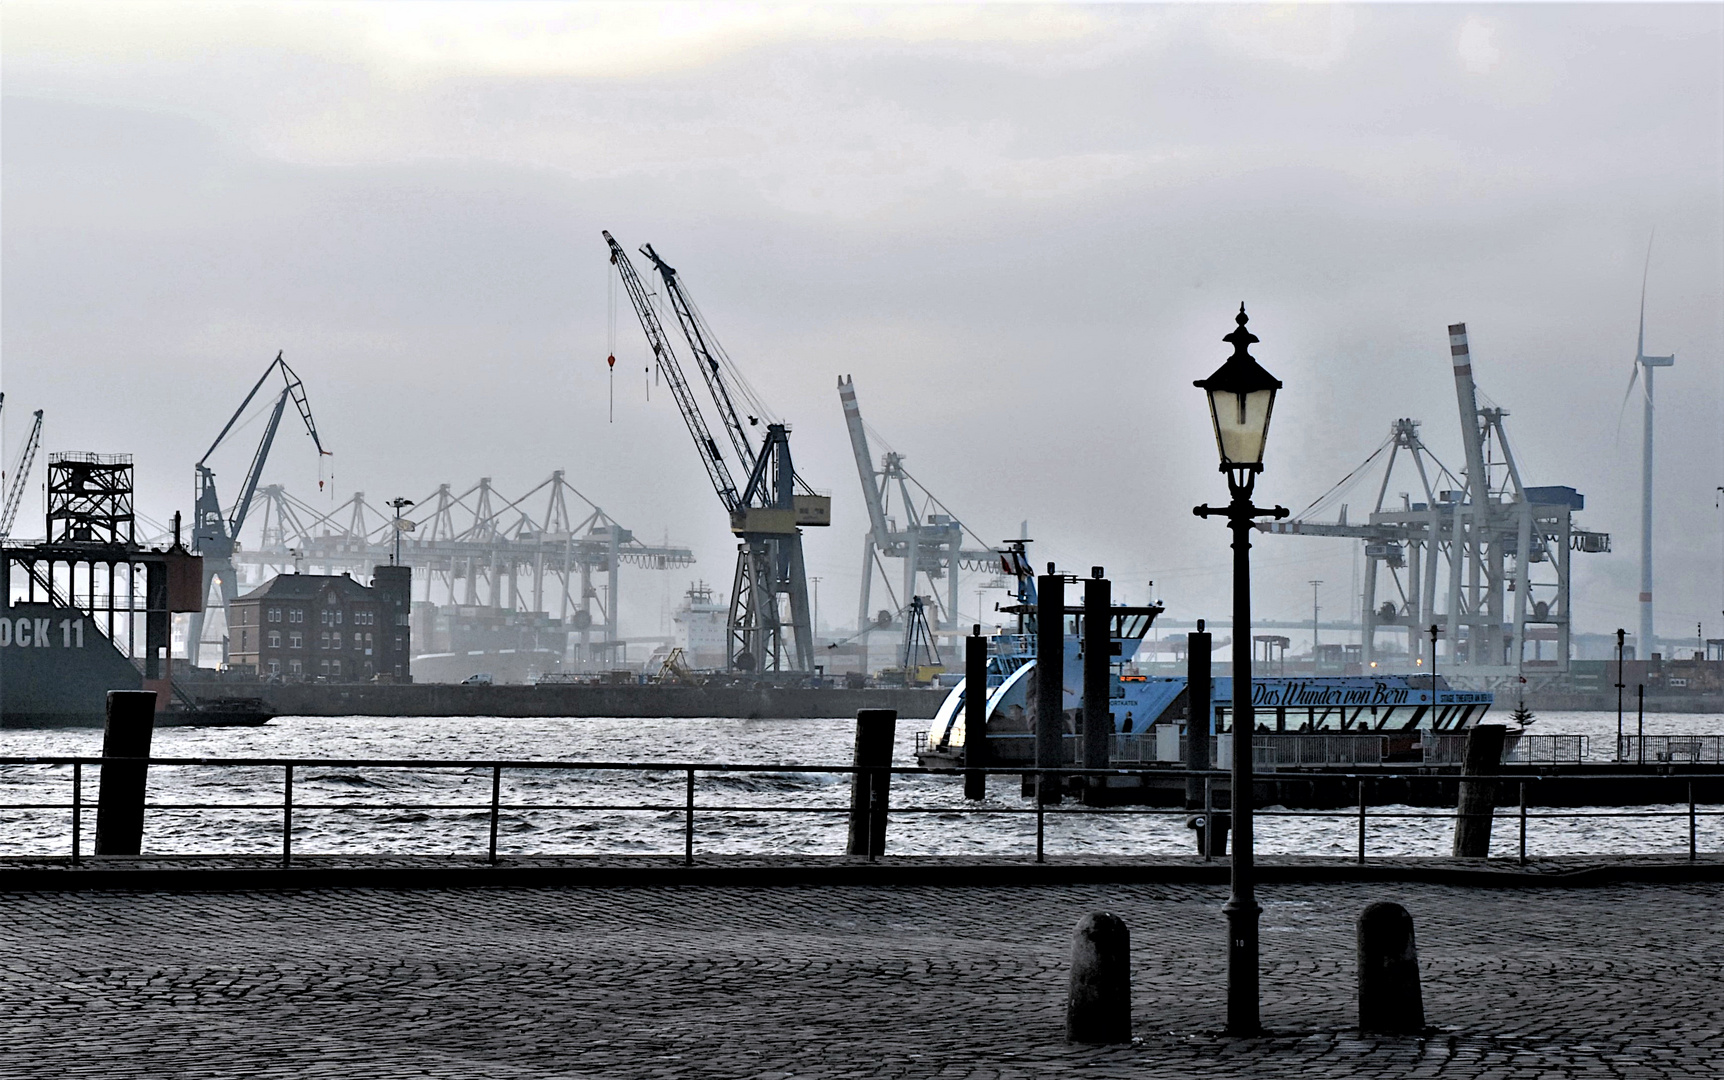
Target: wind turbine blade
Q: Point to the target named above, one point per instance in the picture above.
(1623, 411)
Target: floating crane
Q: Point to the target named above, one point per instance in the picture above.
(215, 532)
(766, 512)
(20, 476)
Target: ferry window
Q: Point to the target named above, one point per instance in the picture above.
(274, 641)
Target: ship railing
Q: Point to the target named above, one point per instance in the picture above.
(300, 793)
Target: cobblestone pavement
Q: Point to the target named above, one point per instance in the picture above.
(835, 982)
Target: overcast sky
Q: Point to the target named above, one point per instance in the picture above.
(1022, 229)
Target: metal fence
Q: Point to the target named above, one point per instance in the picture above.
(689, 809)
(1671, 749)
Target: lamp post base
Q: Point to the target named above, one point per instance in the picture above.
(1242, 974)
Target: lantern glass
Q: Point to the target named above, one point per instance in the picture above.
(1241, 425)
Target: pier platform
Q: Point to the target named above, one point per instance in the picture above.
(851, 980)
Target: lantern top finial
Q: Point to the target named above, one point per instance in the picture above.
(1241, 338)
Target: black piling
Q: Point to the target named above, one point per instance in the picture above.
(1390, 1002)
(870, 786)
(120, 803)
(1097, 645)
(1050, 682)
(1210, 827)
(976, 715)
(1477, 797)
(1098, 999)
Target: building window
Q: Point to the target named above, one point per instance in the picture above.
(338, 616)
(244, 637)
(294, 667)
(324, 667)
(367, 644)
(397, 643)
(296, 615)
(335, 668)
(323, 640)
(275, 667)
(296, 640)
(275, 639)
(274, 614)
(335, 640)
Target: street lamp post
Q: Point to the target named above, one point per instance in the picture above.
(1241, 396)
(401, 525)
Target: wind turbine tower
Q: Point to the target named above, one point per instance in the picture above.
(1644, 643)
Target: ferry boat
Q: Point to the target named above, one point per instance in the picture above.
(1315, 720)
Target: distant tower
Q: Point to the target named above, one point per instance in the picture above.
(1644, 643)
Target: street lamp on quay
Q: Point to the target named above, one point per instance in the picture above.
(1241, 397)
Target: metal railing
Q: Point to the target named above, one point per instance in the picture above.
(688, 808)
(1671, 749)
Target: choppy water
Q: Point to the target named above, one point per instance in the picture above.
(726, 821)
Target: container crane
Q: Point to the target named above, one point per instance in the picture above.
(20, 476)
(215, 532)
(765, 512)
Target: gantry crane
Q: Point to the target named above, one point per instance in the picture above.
(20, 478)
(766, 513)
(215, 532)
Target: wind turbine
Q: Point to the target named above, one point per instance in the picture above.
(1644, 643)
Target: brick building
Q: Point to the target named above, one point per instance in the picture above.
(299, 626)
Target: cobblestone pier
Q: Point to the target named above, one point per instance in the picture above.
(1620, 980)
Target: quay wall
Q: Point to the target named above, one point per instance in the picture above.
(585, 699)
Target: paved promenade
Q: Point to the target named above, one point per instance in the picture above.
(1618, 980)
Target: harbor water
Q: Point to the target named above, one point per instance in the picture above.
(342, 809)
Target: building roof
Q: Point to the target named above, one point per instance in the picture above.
(309, 587)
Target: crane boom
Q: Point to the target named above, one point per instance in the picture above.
(20, 477)
(864, 462)
(710, 456)
(698, 334)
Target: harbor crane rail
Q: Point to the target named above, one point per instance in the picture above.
(769, 510)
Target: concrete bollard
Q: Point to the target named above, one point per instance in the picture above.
(870, 787)
(1390, 1002)
(120, 802)
(1098, 1000)
(1477, 798)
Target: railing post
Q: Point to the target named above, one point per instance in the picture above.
(1039, 807)
(1361, 819)
(1208, 818)
(688, 823)
(287, 819)
(77, 811)
(496, 807)
(1691, 822)
(1523, 822)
